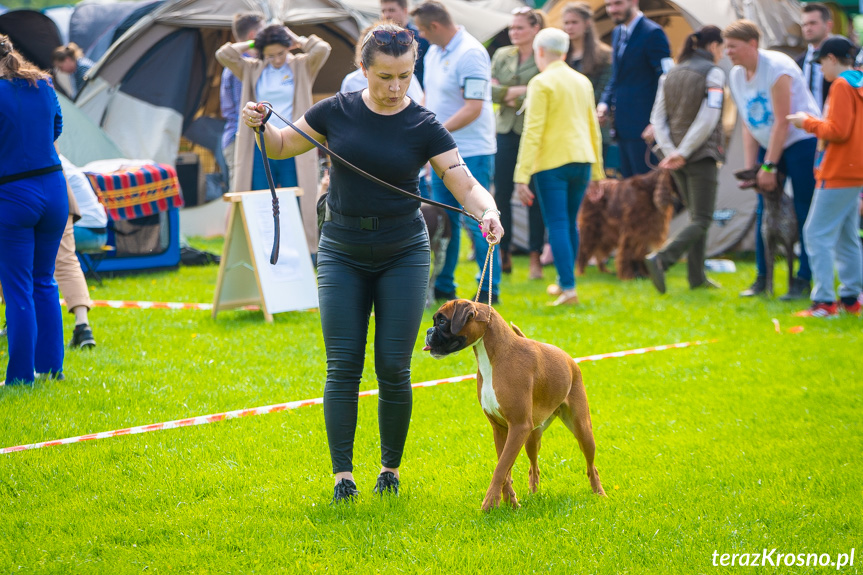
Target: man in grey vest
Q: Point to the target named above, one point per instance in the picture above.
(686, 124)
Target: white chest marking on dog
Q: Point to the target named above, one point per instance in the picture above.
(488, 399)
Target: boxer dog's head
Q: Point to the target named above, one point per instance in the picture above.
(458, 324)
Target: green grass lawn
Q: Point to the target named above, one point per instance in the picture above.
(750, 443)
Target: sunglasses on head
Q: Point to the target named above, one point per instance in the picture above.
(386, 37)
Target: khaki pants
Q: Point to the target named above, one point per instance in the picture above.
(67, 272)
(697, 185)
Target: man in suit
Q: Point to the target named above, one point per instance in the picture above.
(817, 24)
(639, 48)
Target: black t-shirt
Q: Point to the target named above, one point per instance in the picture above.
(393, 148)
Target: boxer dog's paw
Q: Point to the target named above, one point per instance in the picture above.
(510, 497)
(534, 479)
(492, 499)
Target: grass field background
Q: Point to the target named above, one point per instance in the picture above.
(752, 442)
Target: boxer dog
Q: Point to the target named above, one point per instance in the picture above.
(522, 385)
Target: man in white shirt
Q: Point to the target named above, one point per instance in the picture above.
(767, 86)
(458, 90)
(817, 24)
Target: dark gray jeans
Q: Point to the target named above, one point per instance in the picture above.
(392, 278)
(697, 185)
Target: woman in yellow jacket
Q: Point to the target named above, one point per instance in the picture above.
(561, 147)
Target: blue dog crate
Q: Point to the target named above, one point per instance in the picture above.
(145, 244)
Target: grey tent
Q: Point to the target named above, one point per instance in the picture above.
(95, 25)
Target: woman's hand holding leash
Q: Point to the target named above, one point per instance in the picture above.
(492, 229)
(252, 114)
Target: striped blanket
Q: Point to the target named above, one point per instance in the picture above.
(136, 193)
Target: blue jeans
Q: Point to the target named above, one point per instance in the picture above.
(560, 191)
(482, 168)
(33, 214)
(798, 163)
(832, 237)
(284, 173)
(88, 240)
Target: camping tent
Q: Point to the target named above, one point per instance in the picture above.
(734, 218)
(95, 24)
(82, 141)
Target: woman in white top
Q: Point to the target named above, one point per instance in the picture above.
(285, 80)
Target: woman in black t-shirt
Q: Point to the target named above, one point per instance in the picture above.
(374, 252)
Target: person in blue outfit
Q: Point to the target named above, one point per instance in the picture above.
(374, 246)
(639, 51)
(33, 212)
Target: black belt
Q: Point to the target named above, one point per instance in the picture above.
(30, 174)
(370, 223)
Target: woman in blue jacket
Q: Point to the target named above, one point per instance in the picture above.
(33, 212)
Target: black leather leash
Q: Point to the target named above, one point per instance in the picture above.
(274, 254)
(347, 164)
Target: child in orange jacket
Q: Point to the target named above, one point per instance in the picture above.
(830, 232)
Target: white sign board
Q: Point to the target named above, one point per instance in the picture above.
(246, 276)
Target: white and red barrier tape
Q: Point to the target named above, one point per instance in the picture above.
(174, 305)
(204, 419)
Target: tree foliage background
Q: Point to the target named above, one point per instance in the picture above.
(35, 4)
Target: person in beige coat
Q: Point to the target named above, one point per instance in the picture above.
(304, 69)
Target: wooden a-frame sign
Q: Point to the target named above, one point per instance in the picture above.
(246, 276)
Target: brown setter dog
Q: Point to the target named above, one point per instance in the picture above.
(630, 216)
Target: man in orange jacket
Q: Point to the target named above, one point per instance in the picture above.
(831, 227)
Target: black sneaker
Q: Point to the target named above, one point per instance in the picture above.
(483, 298)
(82, 337)
(799, 290)
(345, 490)
(757, 287)
(387, 483)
